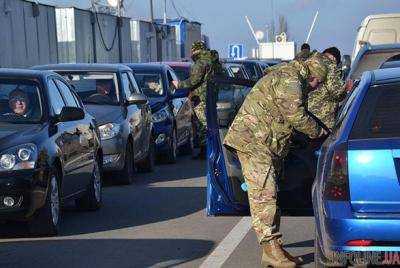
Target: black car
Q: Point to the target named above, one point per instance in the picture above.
(49, 150)
(110, 93)
(172, 110)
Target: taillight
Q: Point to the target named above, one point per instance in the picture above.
(360, 243)
(336, 180)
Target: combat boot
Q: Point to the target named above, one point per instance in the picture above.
(274, 256)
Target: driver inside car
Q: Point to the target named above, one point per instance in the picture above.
(18, 103)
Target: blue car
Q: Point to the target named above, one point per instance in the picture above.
(172, 110)
(356, 193)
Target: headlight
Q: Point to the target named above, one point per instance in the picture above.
(109, 131)
(19, 157)
(160, 115)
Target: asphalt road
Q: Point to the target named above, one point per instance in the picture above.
(159, 221)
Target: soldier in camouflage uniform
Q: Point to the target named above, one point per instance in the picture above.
(206, 65)
(261, 135)
(324, 103)
(304, 53)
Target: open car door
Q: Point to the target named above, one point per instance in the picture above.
(225, 195)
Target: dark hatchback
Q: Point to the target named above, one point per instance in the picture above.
(172, 110)
(49, 150)
(110, 93)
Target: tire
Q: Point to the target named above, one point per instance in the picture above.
(147, 165)
(126, 176)
(172, 153)
(188, 148)
(93, 196)
(46, 221)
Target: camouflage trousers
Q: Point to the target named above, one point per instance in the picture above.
(260, 175)
(200, 111)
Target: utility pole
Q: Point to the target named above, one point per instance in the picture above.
(165, 11)
(151, 11)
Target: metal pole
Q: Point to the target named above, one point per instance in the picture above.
(312, 27)
(165, 11)
(151, 11)
(252, 29)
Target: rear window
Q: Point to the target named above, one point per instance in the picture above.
(378, 115)
(372, 60)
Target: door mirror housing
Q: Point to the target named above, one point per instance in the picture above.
(71, 114)
(136, 99)
(180, 93)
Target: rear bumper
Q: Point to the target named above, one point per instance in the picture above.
(340, 224)
(28, 190)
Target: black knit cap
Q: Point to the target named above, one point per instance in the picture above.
(334, 51)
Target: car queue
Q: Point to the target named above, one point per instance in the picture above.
(66, 127)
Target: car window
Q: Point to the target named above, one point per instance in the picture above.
(56, 100)
(20, 101)
(66, 93)
(251, 69)
(377, 117)
(94, 87)
(136, 88)
(151, 84)
(182, 73)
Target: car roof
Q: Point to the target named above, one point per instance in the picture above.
(21, 73)
(385, 75)
(84, 67)
(177, 63)
(147, 66)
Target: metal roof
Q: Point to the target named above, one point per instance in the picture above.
(84, 67)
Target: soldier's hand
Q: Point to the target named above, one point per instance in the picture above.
(175, 83)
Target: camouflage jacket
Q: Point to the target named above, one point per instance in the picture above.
(206, 65)
(303, 55)
(274, 108)
(324, 102)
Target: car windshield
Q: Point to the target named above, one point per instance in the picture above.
(94, 87)
(372, 60)
(183, 73)
(251, 69)
(150, 83)
(237, 71)
(20, 101)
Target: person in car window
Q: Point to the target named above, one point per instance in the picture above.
(261, 134)
(18, 103)
(103, 94)
(153, 84)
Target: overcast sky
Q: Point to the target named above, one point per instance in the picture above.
(223, 20)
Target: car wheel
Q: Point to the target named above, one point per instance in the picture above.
(93, 196)
(188, 148)
(148, 164)
(171, 156)
(127, 174)
(47, 219)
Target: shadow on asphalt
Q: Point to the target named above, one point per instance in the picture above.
(133, 205)
(302, 244)
(103, 253)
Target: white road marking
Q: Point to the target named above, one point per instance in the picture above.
(222, 252)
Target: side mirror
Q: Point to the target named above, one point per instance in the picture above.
(180, 93)
(71, 114)
(136, 99)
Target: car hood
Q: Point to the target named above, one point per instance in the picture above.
(157, 104)
(14, 134)
(105, 113)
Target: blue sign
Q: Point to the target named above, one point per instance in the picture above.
(236, 51)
